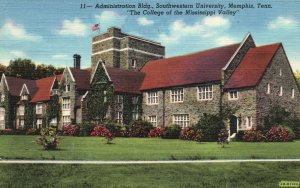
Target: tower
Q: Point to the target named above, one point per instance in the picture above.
(118, 49)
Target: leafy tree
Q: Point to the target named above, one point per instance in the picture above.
(2, 69)
(59, 70)
(43, 71)
(22, 68)
(297, 74)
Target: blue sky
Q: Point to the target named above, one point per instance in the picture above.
(51, 32)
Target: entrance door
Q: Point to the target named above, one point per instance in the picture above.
(233, 124)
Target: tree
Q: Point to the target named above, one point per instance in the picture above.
(22, 68)
(2, 69)
(297, 74)
(43, 71)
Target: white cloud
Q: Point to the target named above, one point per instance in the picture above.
(225, 40)
(17, 53)
(73, 28)
(14, 31)
(144, 21)
(295, 64)
(59, 56)
(109, 19)
(216, 21)
(282, 23)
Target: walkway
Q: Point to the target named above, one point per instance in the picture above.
(143, 162)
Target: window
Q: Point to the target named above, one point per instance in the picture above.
(133, 63)
(39, 123)
(293, 93)
(22, 123)
(66, 104)
(39, 108)
(53, 122)
(248, 122)
(181, 119)
(54, 91)
(104, 94)
(119, 117)
(119, 99)
(205, 92)
(268, 89)
(152, 97)
(24, 97)
(68, 88)
(153, 120)
(135, 110)
(177, 95)
(2, 97)
(66, 120)
(2, 118)
(21, 110)
(280, 72)
(233, 95)
(280, 91)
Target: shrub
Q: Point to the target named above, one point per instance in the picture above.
(290, 131)
(140, 129)
(116, 128)
(49, 139)
(70, 130)
(253, 136)
(156, 132)
(85, 129)
(239, 135)
(278, 134)
(191, 133)
(172, 131)
(223, 137)
(7, 131)
(31, 131)
(104, 132)
(211, 125)
(19, 132)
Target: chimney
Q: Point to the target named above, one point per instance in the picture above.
(76, 58)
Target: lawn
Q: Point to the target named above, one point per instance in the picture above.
(145, 175)
(95, 148)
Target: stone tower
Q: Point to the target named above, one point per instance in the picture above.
(124, 51)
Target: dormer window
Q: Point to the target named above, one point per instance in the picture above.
(68, 88)
(133, 63)
(2, 97)
(24, 97)
(54, 91)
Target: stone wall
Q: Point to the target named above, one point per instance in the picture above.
(190, 105)
(248, 43)
(245, 106)
(265, 102)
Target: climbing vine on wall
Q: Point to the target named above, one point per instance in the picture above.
(53, 109)
(127, 108)
(8, 109)
(29, 115)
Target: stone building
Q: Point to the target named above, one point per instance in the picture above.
(129, 79)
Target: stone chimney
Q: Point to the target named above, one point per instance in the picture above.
(76, 59)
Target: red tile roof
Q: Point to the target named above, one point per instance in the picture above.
(125, 81)
(252, 67)
(200, 67)
(44, 89)
(82, 78)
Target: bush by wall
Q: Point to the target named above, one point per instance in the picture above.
(239, 135)
(253, 136)
(279, 134)
(116, 128)
(102, 131)
(70, 130)
(156, 132)
(191, 133)
(139, 128)
(172, 131)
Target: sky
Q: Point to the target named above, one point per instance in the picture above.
(50, 32)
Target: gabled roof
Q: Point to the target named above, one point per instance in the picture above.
(16, 84)
(44, 86)
(200, 67)
(252, 67)
(82, 78)
(125, 81)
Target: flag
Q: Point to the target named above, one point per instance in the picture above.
(95, 27)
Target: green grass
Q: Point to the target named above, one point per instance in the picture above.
(95, 148)
(154, 175)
